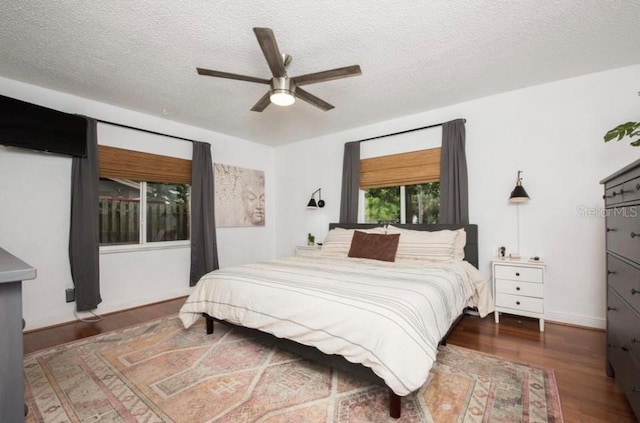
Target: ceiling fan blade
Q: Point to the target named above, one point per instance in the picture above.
(314, 78)
(219, 74)
(262, 103)
(312, 99)
(267, 41)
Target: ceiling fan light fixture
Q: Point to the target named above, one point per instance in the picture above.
(282, 92)
(282, 98)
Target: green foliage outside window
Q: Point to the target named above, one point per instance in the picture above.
(422, 204)
(382, 205)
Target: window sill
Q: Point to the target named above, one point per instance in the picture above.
(115, 249)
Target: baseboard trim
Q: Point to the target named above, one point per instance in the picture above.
(103, 310)
(576, 320)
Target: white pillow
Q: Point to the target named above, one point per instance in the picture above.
(338, 240)
(425, 245)
(461, 242)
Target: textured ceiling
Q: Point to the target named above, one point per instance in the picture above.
(415, 55)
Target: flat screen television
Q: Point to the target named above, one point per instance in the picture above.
(35, 127)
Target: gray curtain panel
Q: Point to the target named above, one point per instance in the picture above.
(204, 249)
(454, 187)
(350, 183)
(84, 245)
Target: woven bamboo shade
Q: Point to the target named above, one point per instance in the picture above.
(416, 167)
(137, 166)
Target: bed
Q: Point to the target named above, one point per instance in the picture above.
(381, 320)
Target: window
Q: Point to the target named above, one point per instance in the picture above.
(416, 204)
(401, 188)
(163, 213)
(135, 208)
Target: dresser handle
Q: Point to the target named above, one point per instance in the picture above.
(625, 349)
(610, 272)
(604, 196)
(634, 291)
(517, 302)
(609, 308)
(611, 229)
(633, 235)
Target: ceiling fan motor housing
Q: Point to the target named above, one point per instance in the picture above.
(283, 85)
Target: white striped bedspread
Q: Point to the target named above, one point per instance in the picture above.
(388, 316)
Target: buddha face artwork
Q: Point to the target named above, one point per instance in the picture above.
(240, 196)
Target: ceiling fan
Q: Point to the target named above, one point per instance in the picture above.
(284, 89)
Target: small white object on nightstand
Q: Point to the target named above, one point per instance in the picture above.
(307, 250)
(519, 288)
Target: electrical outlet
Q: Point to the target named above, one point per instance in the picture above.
(70, 294)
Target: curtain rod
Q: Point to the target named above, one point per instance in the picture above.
(145, 130)
(406, 131)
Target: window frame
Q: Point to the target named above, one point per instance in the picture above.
(143, 244)
(120, 163)
(403, 203)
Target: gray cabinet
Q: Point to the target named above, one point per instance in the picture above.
(12, 272)
(622, 206)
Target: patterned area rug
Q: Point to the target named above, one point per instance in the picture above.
(159, 372)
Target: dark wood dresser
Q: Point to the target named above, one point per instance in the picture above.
(622, 205)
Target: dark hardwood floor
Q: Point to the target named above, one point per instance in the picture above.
(576, 354)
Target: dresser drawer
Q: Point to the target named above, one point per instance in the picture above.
(623, 232)
(613, 196)
(630, 190)
(519, 302)
(625, 186)
(625, 280)
(527, 289)
(627, 374)
(518, 273)
(623, 325)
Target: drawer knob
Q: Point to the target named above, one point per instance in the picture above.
(517, 288)
(633, 235)
(517, 273)
(635, 341)
(623, 348)
(517, 302)
(614, 194)
(609, 308)
(604, 196)
(622, 191)
(637, 187)
(635, 388)
(610, 272)
(634, 291)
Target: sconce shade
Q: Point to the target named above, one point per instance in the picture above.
(519, 195)
(312, 203)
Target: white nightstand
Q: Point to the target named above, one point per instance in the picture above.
(519, 288)
(307, 250)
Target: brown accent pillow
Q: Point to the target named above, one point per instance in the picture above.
(374, 246)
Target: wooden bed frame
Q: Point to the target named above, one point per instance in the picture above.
(337, 361)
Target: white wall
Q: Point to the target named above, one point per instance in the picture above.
(552, 132)
(34, 218)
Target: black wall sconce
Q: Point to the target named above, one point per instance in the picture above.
(312, 203)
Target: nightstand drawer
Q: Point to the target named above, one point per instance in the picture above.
(518, 273)
(518, 302)
(527, 289)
